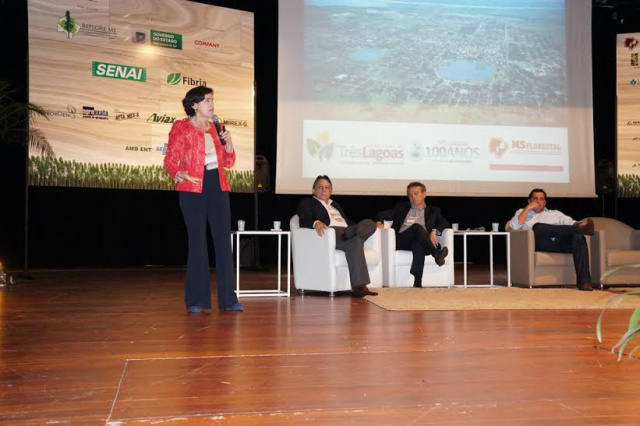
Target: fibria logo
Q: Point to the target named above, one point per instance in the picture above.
(118, 71)
(177, 78)
(68, 25)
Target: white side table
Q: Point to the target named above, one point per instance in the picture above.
(491, 234)
(263, 293)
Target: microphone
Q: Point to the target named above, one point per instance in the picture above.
(219, 127)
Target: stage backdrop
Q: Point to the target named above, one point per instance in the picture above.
(111, 75)
(628, 141)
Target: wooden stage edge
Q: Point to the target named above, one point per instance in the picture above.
(117, 347)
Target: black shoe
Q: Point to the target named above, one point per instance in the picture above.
(440, 255)
(417, 282)
(585, 286)
(362, 291)
(587, 229)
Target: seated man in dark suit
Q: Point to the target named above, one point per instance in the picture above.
(320, 212)
(417, 227)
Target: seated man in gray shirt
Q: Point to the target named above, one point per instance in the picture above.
(556, 232)
(417, 226)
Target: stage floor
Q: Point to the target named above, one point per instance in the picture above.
(117, 347)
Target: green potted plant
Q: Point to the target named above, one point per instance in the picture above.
(633, 330)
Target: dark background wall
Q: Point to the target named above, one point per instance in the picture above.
(75, 227)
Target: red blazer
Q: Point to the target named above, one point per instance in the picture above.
(185, 152)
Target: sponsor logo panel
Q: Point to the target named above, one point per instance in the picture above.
(138, 36)
(68, 25)
(207, 45)
(122, 115)
(177, 78)
(93, 113)
(118, 71)
(69, 113)
(166, 39)
(161, 118)
(630, 43)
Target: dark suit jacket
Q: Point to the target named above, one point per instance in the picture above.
(432, 217)
(310, 210)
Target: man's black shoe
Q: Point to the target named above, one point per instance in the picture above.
(362, 291)
(587, 229)
(440, 255)
(417, 282)
(585, 286)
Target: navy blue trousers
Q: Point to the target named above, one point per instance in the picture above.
(211, 206)
(416, 239)
(564, 239)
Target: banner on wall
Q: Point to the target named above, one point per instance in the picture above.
(111, 75)
(628, 93)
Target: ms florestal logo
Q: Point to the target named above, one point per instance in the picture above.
(118, 71)
(177, 78)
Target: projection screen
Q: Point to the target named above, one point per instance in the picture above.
(471, 97)
(111, 75)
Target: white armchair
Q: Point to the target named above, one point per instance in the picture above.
(318, 265)
(397, 263)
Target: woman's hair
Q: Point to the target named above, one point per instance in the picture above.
(194, 96)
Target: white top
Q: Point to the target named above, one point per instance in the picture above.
(336, 218)
(210, 155)
(551, 217)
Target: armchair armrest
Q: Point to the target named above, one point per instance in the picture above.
(314, 256)
(598, 253)
(635, 239)
(374, 242)
(446, 240)
(523, 247)
(388, 236)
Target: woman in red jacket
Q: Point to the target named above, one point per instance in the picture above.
(196, 158)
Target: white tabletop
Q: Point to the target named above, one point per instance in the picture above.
(249, 232)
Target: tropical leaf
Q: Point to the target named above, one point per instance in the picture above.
(325, 152)
(632, 330)
(313, 147)
(17, 120)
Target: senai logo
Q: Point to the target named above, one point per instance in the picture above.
(177, 78)
(122, 72)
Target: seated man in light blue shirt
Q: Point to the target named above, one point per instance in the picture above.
(557, 233)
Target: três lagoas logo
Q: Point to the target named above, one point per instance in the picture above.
(320, 147)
